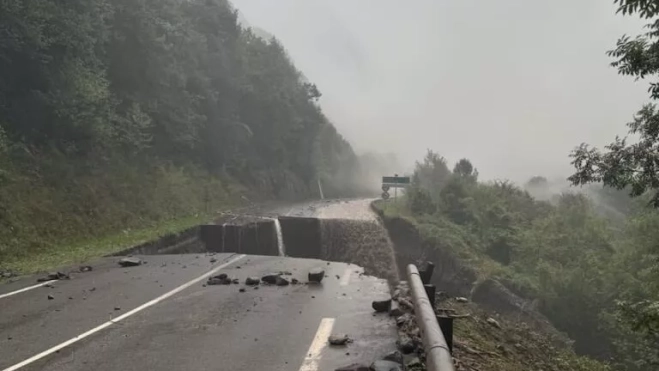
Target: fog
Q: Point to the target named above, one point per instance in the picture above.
(513, 85)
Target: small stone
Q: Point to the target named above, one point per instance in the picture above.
(252, 281)
(117, 308)
(354, 367)
(213, 260)
(338, 277)
(294, 281)
(381, 306)
(405, 318)
(406, 345)
(50, 297)
(130, 262)
(85, 268)
(394, 356)
(281, 281)
(235, 281)
(316, 275)
(339, 339)
(461, 299)
(270, 278)
(395, 310)
(242, 289)
(256, 287)
(54, 276)
(493, 322)
(70, 297)
(405, 303)
(414, 363)
(383, 365)
(221, 279)
(285, 273)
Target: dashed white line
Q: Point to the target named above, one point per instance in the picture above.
(319, 342)
(25, 289)
(120, 318)
(345, 279)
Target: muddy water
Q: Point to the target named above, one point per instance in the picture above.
(336, 230)
(281, 248)
(348, 210)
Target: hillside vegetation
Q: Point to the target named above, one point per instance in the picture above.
(579, 266)
(117, 115)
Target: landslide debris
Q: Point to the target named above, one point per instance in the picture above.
(483, 341)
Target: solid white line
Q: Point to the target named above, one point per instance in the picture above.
(120, 318)
(319, 342)
(345, 279)
(25, 289)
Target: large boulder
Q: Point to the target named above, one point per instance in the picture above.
(130, 262)
(381, 306)
(316, 275)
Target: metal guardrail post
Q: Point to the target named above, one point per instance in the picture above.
(446, 325)
(426, 273)
(430, 292)
(438, 355)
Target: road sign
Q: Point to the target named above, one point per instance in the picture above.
(395, 181)
(385, 195)
(385, 187)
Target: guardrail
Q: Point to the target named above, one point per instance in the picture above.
(438, 353)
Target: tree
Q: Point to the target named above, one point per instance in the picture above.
(433, 173)
(622, 164)
(536, 181)
(632, 165)
(465, 170)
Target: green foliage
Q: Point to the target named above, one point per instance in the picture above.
(624, 165)
(595, 280)
(432, 174)
(634, 167)
(121, 113)
(419, 201)
(464, 169)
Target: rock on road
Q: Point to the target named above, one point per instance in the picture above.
(160, 316)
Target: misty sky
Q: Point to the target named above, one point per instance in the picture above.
(513, 85)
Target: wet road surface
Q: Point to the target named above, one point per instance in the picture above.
(159, 316)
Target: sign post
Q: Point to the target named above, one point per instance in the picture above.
(394, 182)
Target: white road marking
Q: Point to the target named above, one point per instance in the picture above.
(25, 289)
(345, 279)
(317, 345)
(122, 317)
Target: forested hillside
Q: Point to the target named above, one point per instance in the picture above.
(587, 269)
(118, 114)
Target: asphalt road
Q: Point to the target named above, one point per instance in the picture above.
(159, 316)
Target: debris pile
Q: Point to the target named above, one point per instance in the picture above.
(410, 352)
(54, 276)
(270, 279)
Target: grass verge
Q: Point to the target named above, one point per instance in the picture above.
(78, 252)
